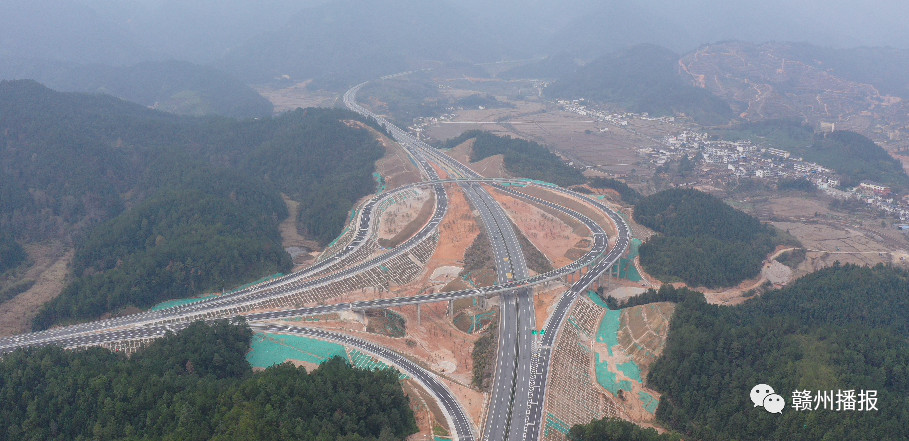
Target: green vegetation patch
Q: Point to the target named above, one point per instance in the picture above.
(793, 258)
(526, 159)
(704, 242)
(614, 429)
(627, 193)
(11, 253)
(15, 289)
(204, 193)
(840, 328)
(195, 385)
(179, 244)
(478, 255)
(535, 259)
(484, 356)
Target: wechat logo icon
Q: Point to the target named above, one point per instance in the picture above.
(764, 396)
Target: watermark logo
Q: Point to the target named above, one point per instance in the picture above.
(805, 400)
(840, 401)
(764, 396)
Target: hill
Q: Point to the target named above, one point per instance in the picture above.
(882, 67)
(552, 67)
(196, 385)
(183, 242)
(840, 328)
(348, 41)
(703, 241)
(172, 86)
(858, 89)
(643, 78)
(203, 192)
(526, 159)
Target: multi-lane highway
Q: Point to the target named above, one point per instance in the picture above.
(525, 385)
(506, 413)
(520, 384)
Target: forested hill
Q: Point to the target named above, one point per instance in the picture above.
(526, 159)
(204, 193)
(173, 86)
(643, 78)
(195, 385)
(80, 156)
(703, 241)
(838, 329)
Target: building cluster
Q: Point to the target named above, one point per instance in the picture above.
(720, 162)
(420, 124)
(883, 198)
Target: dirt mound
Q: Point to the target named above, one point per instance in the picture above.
(491, 167)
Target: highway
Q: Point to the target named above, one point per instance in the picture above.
(522, 367)
(530, 395)
(173, 315)
(507, 408)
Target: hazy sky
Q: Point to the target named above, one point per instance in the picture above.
(827, 22)
(204, 31)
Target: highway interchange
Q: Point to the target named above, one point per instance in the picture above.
(516, 404)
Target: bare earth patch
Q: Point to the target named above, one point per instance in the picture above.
(827, 244)
(404, 219)
(547, 232)
(491, 167)
(395, 167)
(49, 271)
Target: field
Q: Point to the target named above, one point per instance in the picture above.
(830, 236)
(296, 96)
(609, 148)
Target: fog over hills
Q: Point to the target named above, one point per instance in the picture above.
(359, 40)
(197, 30)
(341, 42)
(604, 26)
